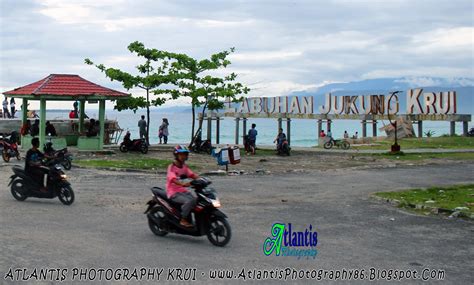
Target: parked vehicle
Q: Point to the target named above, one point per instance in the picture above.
(164, 215)
(338, 143)
(61, 156)
(470, 133)
(133, 145)
(9, 146)
(199, 145)
(24, 186)
(284, 149)
(248, 147)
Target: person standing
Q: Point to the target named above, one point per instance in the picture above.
(12, 107)
(346, 135)
(253, 138)
(142, 126)
(6, 113)
(163, 131)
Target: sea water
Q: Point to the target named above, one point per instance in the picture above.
(303, 131)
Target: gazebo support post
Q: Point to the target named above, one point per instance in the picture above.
(81, 116)
(101, 123)
(24, 111)
(42, 128)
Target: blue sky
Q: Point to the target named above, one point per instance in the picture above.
(281, 46)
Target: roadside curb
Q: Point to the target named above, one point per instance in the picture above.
(433, 210)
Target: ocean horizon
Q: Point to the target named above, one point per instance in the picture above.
(303, 131)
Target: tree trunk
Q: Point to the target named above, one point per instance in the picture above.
(193, 124)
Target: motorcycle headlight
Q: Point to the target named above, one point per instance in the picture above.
(63, 176)
(216, 203)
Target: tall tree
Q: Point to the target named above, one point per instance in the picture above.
(152, 74)
(198, 80)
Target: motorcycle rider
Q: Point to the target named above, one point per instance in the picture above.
(280, 138)
(175, 189)
(33, 166)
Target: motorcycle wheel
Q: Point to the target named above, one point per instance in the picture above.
(328, 145)
(158, 215)
(286, 149)
(123, 148)
(66, 163)
(17, 189)
(345, 145)
(66, 195)
(219, 233)
(5, 156)
(144, 148)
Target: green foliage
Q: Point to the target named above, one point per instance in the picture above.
(205, 90)
(440, 197)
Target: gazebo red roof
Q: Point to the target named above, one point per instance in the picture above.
(65, 85)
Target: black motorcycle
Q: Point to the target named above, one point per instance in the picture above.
(24, 186)
(470, 133)
(164, 215)
(133, 145)
(199, 145)
(61, 156)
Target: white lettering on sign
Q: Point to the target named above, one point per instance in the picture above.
(417, 103)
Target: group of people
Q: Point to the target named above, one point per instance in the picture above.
(6, 111)
(162, 130)
(33, 130)
(252, 138)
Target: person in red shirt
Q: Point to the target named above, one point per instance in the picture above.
(175, 188)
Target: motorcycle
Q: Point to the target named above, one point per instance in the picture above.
(9, 147)
(61, 156)
(199, 145)
(164, 215)
(470, 133)
(249, 148)
(24, 186)
(338, 143)
(284, 149)
(133, 145)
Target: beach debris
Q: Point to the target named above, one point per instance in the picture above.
(392, 219)
(430, 202)
(458, 209)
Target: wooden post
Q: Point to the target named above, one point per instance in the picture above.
(464, 128)
(101, 123)
(237, 123)
(364, 128)
(24, 112)
(374, 128)
(218, 130)
(452, 128)
(209, 126)
(420, 129)
(288, 130)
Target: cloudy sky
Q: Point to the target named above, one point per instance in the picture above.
(281, 46)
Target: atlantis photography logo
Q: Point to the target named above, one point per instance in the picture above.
(287, 242)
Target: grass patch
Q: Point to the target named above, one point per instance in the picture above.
(454, 142)
(135, 163)
(423, 156)
(449, 197)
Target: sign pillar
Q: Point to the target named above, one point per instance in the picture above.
(288, 130)
(452, 128)
(464, 128)
(279, 124)
(244, 127)
(374, 128)
(320, 127)
(209, 126)
(420, 129)
(364, 128)
(237, 130)
(218, 129)
(328, 125)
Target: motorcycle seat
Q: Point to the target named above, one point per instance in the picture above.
(160, 192)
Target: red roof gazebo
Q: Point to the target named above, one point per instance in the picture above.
(66, 87)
